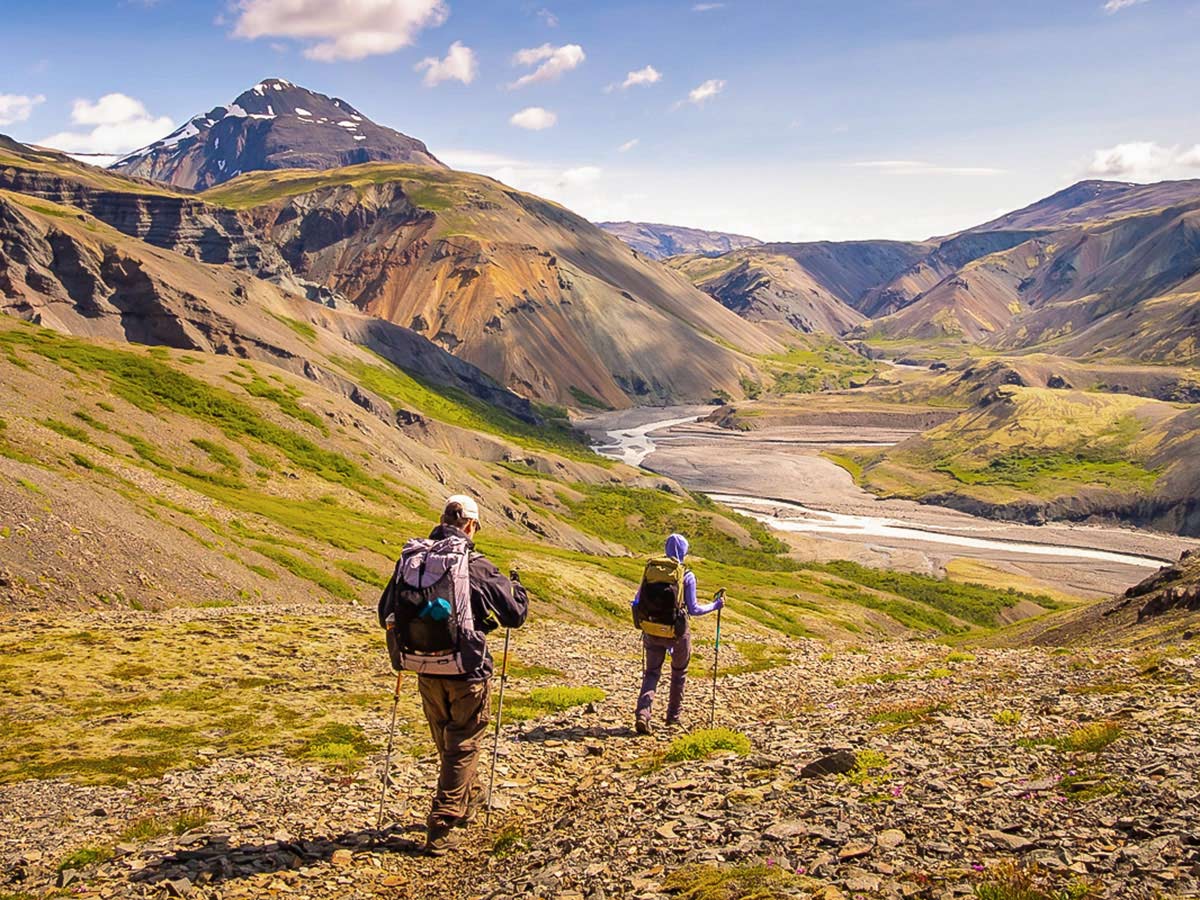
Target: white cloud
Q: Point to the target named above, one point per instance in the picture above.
(581, 187)
(17, 107)
(1135, 158)
(341, 29)
(917, 167)
(458, 65)
(549, 18)
(121, 124)
(1115, 6)
(555, 61)
(1190, 158)
(628, 145)
(533, 118)
(645, 75)
(582, 175)
(705, 92)
(706, 7)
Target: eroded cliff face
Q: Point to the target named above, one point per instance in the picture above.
(186, 225)
(67, 271)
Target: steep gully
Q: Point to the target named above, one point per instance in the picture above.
(779, 478)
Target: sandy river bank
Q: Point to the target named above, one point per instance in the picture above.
(779, 476)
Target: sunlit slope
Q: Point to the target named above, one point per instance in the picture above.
(531, 293)
(1118, 288)
(1036, 453)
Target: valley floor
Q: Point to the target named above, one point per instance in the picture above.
(787, 463)
(1084, 765)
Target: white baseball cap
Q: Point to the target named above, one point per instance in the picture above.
(469, 507)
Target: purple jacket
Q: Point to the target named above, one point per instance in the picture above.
(677, 549)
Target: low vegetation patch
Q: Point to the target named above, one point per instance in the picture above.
(703, 882)
(510, 841)
(1084, 786)
(1009, 718)
(149, 827)
(1091, 738)
(454, 407)
(901, 715)
(344, 746)
(545, 700)
(1014, 881)
(85, 856)
(975, 603)
(705, 742)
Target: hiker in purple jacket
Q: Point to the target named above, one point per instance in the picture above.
(679, 647)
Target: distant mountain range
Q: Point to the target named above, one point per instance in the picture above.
(660, 241)
(274, 125)
(1098, 269)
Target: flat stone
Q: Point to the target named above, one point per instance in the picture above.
(891, 838)
(1012, 842)
(781, 831)
(855, 850)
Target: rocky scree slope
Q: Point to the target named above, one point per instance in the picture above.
(273, 125)
(957, 767)
(660, 241)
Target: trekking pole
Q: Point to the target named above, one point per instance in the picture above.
(712, 711)
(487, 819)
(387, 760)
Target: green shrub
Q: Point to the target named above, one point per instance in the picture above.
(509, 841)
(1007, 717)
(85, 856)
(706, 742)
(306, 570)
(219, 454)
(68, 431)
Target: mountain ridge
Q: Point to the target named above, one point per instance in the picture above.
(273, 125)
(660, 241)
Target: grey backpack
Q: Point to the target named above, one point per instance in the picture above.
(426, 607)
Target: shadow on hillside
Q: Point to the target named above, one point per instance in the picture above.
(219, 861)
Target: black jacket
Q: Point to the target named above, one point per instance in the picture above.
(496, 602)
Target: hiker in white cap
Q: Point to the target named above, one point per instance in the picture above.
(446, 598)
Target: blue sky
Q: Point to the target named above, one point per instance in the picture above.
(799, 120)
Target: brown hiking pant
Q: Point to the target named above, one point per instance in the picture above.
(458, 713)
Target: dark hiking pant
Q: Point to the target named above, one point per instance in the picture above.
(656, 649)
(458, 713)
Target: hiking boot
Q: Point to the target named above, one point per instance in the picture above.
(676, 722)
(642, 726)
(477, 801)
(441, 839)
